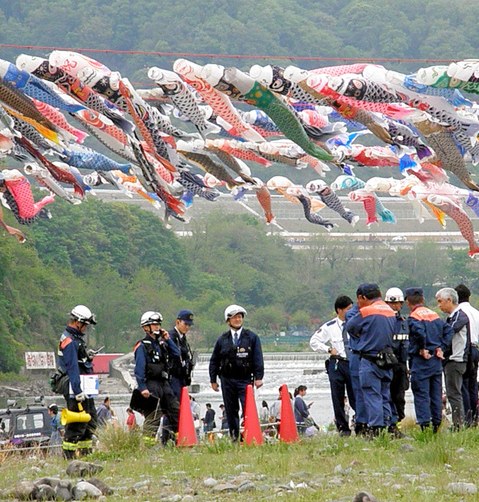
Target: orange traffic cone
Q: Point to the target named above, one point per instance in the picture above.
(252, 429)
(288, 433)
(186, 425)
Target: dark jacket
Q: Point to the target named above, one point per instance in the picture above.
(73, 357)
(372, 328)
(427, 331)
(182, 366)
(152, 360)
(401, 338)
(244, 362)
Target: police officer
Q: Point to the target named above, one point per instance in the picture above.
(182, 367)
(360, 415)
(400, 383)
(330, 338)
(237, 359)
(75, 360)
(429, 338)
(373, 328)
(152, 355)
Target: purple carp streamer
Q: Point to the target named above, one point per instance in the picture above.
(206, 130)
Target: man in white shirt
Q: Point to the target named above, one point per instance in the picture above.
(469, 385)
(331, 338)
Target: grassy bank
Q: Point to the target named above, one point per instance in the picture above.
(326, 468)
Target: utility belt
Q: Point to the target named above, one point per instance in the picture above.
(401, 337)
(369, 357)
(384, 359)
(338, 358)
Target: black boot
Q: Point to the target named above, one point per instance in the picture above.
(395, 432)
(361, 429)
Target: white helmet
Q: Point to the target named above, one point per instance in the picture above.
(151, 317)
(232, 310)
(394, 295)
(83, 314)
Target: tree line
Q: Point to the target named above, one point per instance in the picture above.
(120, 260)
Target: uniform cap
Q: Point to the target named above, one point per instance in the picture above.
(232, 310)
(413, 292)
(367, 288)
(186, 316)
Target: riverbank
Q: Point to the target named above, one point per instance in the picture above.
(423, 467)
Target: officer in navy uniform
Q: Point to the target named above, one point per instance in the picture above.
(152, 355)
(237, 359)
(330, 338)
(361, 415)
(400, 383)
(429, 338)
(182, 367)
(75, 360)
(373, 328)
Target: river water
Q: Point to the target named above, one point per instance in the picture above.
(292, 369)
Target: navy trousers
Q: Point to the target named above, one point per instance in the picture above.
(340, 382)
(360, 410)
(376, 383)
(234, 393)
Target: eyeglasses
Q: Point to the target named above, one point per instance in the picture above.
(394, 299)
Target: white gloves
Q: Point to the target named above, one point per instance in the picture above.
(80, 397)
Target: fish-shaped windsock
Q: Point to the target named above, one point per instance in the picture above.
(282, 184)
(194, 184)
(107, 133)
(44, 178)
(329, 197)
(16, 101)
(238, 149)
(362, 89)
(374, 156)
(74, 87)
(264, 198)
(347, 182)
(154, 141)
(30, 132)
(458, 75)
(219, 102)
(369, 203)
(281, 114)
(209, 165)
(60, 171)
(305, 201)
(454, 96)
(34, 87)
(20, 199)
(174, 87)
(58, 119)
(89, 159)
(403, 135)
(275, 78)
(449, 156)
(455, 212)
(92, 73)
